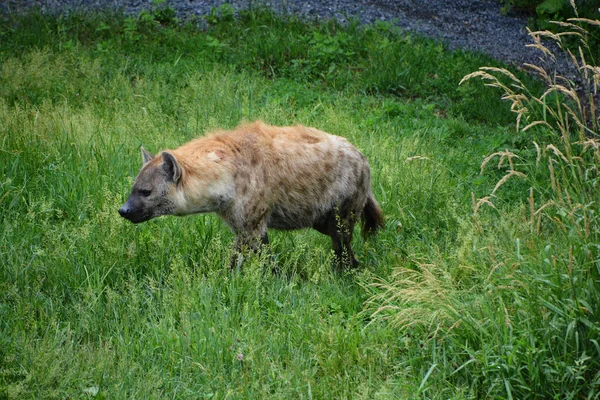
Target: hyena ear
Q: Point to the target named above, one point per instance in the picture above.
(146, 156)
(171, 166)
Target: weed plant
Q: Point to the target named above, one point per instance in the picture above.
(92, 306)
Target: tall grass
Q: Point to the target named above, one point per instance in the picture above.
(514, 312)
(91, 306)
(463, 295)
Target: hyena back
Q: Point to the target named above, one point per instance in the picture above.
(260, 176)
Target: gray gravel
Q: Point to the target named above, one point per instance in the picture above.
(462, 24)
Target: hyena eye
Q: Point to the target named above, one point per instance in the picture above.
(145, 192)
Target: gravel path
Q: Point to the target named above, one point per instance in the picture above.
(467, 24)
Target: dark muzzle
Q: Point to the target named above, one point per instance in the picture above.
(125, 211)
(132, 214)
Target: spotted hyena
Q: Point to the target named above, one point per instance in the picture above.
(259, 176)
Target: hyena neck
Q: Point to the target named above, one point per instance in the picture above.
(198, 196)
(206, 183)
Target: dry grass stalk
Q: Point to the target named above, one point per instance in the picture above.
(504, 155)
(507, 73)
(538, 44)
(548, 204)
(557, 152)
(531, 201)
(554, 182)
(573, 59)
(583, 62)
(480, 202)
(564, 90)
(535, 123)
(574, 6)
(416, 297)
(570, 25)
(493, 269)
(538, 152)
(416, 158)
(568, 109)
(586, 20)
(506, 177)
(590, 143)
(517, 99)
(582, 127)
(540, 71)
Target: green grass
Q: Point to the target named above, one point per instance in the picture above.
(92, 306)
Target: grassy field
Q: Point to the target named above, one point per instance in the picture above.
(457, 298)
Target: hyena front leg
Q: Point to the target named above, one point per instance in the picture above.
(249, 240)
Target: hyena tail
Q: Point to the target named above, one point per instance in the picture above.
(372, 217)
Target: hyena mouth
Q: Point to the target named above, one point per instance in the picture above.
(137, 219)
(133, 217)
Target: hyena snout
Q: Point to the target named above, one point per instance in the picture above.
(132, 214)
(125, 211)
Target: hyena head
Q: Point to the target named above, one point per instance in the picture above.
(154, 188)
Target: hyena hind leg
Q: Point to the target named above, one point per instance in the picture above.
(340, 229)
(342, 244)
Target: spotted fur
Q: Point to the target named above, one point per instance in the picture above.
(260, 176)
